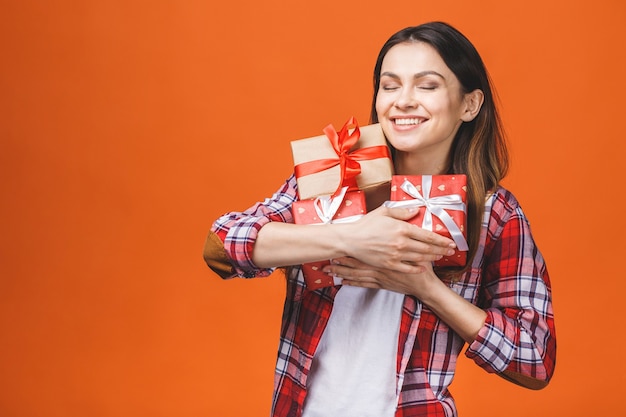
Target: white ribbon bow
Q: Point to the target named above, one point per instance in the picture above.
(435, 206)
(326, 208)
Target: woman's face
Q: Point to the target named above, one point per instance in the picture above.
(419, 104)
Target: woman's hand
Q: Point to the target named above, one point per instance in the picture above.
(383, 238)
(462, 316)
(359, 274)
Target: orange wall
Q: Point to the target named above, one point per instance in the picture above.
(127, 127)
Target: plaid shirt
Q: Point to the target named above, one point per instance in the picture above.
(508, 279)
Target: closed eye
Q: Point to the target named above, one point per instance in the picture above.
(427, 87)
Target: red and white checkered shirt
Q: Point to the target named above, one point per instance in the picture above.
(508, 279)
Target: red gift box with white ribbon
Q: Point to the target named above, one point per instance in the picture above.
(441, 208)
(347, 206)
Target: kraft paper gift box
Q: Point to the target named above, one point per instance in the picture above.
(441, 200)
(346, 207)
(355, 156)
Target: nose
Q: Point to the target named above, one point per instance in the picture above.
(406, 99)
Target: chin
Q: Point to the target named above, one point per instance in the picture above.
(403, 144)
(405, 148)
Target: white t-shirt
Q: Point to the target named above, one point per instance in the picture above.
(353, 373)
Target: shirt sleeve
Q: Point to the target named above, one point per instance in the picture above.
(518, 335)
(238, 230)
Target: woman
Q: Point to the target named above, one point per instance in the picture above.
(385, 342)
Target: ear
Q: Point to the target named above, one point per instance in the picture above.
(473, 102)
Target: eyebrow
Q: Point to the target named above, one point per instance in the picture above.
(415, 76)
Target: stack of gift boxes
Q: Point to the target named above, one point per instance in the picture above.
(342, 174)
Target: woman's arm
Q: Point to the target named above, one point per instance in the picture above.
(512, 331)
(383, 238)
(459, 314)
(518, 340)
(263, 237)
(231, 240)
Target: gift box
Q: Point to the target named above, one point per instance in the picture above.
(441, 201)
(346, 207)
(357, 157)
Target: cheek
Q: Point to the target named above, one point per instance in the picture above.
(442, 108)
(382, 105)
(451, 105)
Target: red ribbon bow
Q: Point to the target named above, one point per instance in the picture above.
(342, 142)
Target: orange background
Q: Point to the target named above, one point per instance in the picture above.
(127, 127)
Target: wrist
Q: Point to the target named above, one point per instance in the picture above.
(340, 239)
(462, 316)
(430, 290)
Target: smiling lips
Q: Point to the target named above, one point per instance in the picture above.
(408, 121)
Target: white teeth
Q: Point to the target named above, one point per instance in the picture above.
(408, 121)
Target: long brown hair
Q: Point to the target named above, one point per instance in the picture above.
(479, 149)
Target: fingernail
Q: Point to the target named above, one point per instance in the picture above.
(450, 252)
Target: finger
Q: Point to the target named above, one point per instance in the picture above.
(426, 236)
(412, 252)
(350, 262)
(406, 268)
(345, 272)
(361, 271)
(351, 267)
(416, 251)
(399, 213)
